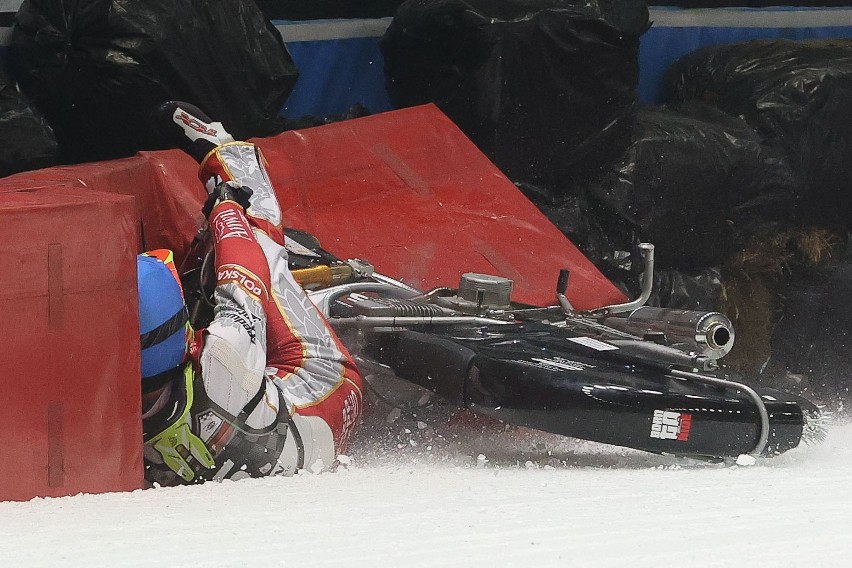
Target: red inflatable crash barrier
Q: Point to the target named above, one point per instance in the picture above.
(409, 192)
(405, 190)
(168, 195)
(70, 421)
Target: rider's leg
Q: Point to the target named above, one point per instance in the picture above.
(310, 365)
(313, 369)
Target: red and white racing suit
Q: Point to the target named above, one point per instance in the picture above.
(272, 388)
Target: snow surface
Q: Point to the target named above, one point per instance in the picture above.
(478, 497)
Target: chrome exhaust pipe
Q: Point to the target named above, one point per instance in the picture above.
(709, 334)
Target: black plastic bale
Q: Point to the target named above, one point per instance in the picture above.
(26, 140)
(96, 68)
(546, 88)
(697, 183)
(798, 95)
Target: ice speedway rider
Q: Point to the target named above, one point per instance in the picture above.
(267, 388)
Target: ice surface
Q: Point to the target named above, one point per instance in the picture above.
(533, 501)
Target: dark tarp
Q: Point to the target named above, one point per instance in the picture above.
(582, 220)
(695, 181)
(546, 88)
(798, 95)
(26, 140)
(96, 68)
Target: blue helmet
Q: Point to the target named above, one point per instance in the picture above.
(163, 321)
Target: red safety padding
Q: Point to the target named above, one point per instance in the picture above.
(70, 334)
(405, 190)
(409, 192)
(169, 211)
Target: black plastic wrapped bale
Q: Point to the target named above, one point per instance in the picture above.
(26, 140)
(546, 88)
(798, 94)
(697, 183)
(96, 68)
(701, 291)
(612, 251)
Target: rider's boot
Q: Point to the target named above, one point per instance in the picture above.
(187, 127)
(224, 163)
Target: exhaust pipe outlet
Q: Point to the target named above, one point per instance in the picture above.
(710, 334)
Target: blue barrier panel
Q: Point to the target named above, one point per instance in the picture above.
(336, 74)
(339, 65)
